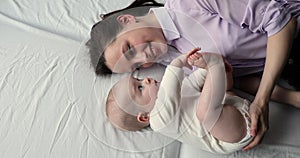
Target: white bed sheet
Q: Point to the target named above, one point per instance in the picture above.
(72, 19)
(42, 111)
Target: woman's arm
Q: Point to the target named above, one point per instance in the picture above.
(278, 47)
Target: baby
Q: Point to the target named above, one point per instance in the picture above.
(197, 109)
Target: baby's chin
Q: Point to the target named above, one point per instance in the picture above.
(154, 90)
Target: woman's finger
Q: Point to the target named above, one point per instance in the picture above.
(256, 140)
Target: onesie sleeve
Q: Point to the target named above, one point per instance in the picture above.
(196, 79)
(259, 16)
(167, 105)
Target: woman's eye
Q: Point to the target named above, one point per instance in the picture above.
(130, 51)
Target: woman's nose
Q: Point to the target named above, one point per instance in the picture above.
(141, 56)
(141, 53)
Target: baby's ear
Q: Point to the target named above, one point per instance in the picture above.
(143, 117)
(126, 19)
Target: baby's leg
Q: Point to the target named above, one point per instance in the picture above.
(231, 125)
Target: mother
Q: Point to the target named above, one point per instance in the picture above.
(255, 36)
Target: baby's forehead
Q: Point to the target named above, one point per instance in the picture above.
(124, 97)
(123, 87)
(123, 82)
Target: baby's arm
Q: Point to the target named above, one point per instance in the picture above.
(212, 59)
(214, 88)
(223, 122)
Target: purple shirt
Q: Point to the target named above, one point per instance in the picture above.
(237, 29)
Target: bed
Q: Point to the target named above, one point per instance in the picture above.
(51, 102)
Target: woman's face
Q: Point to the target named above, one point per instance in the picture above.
(135, 47)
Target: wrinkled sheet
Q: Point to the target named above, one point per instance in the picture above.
(48, 106)
(47, 110)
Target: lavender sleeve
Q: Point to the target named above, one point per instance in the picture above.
(259, 16)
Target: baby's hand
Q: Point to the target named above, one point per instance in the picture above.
(196, 59)
(181, 61)
(205, 59)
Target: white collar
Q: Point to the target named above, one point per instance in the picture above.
(168, 27)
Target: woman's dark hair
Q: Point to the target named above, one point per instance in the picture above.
(101, 35)
(105, 31)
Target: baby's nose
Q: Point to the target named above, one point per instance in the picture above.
(147, 80)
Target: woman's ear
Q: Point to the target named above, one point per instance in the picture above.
(143, 117)
(126, 19)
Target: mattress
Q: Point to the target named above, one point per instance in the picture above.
(52, 104)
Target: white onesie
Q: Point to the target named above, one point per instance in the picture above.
(174, 113)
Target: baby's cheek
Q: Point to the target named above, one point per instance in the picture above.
(153, 92)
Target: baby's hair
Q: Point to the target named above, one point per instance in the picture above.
(119, 118)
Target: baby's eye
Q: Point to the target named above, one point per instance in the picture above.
(140, 88)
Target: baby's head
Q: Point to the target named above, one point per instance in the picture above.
(130, 101)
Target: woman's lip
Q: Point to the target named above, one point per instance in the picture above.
(153, 54)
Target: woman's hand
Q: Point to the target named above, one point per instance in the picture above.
(259, 115)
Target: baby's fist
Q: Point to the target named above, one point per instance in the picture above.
(196, 59)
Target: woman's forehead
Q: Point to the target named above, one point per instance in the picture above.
(130, 29)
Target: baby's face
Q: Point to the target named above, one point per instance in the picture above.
(136, 95)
